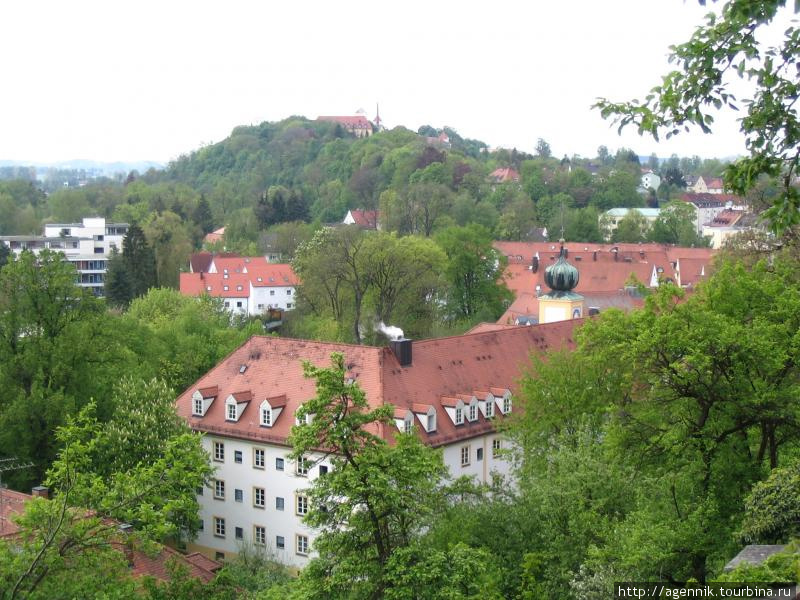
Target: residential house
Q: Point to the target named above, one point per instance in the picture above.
(452, 392)
(358, 125)
(247, 285)
(727, 224)
(707, 206)
(366, 219)
(650, 181)
(86, 245)
(218, 235)
(504, 175)
(706, 185)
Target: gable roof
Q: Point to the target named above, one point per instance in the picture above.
(503, 174)
(354, 122)
(367, 219)
(442, 367)
(199, 262)
(215, 284)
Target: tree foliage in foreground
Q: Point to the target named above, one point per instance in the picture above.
(725, 48)
(69, 546)
(371, 508)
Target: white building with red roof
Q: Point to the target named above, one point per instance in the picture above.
(246, 285)
(453, 392)
(358, 125)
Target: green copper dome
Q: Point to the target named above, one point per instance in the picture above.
(561, 276)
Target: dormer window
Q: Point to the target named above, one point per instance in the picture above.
(225, 288)
(431, 423)
(266, 416)
(490, 408)
(506, 405)
(197, 407)
(459, 415)
(473, 411)
(231, 412)
(408, 424)
(235, 405)
(202, 399)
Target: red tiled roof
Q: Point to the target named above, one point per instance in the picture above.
(209, 392)
(355, 122)
(199, 262)
(503, 174)
(692, 270)
(214, 284)
(215, 236)
(271, 274)
(240, 397)
(484, 327)
(365, 218)
(443, 367)
(726, 218)
(599, 272)
(141, 564)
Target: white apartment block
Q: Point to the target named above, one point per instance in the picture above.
(452, 395)
(86, 245)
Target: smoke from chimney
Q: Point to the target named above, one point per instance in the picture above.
(390, 331)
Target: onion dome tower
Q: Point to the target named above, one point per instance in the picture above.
(561, 303)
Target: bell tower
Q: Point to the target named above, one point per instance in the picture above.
(561, 303)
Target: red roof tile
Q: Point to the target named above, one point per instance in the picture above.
(199, 262)
(209, 392)
(141, 564)
(365, 218)
(503, 174)
(354, 122)
(215, 284)
(441, 367)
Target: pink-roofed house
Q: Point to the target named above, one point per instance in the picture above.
(504, 174)
(366, 219)
(358, 125)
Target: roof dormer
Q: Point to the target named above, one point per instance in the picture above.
(235, 404)
(404, 419)
(488, 405)
(470, 407)
(426, 415)
(502, 399)
(454, 408)
(202, 399)
(270, 410)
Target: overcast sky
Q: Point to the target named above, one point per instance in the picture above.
(121, 80)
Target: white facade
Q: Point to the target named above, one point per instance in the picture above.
(263, 489)
(86, 245)
(263, 298)
(651, 181)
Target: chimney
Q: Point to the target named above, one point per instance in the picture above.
(402, 350)
(40, 492)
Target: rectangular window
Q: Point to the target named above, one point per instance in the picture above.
(288, 292)
(431, 422)
(198, 407)
(219, 489)
(288, 305)
(238, 532)
(473, 412)
(200, 525)
(219, 451)
(496, 448)
(323, 469)
(279, 464)
(238, 495)
(459, 416)
(259, 458)
(219, 527)
(408, 425)
(280, 543)
(301, 545)
(506, 405)
(259, 497)
(266, 416)
(479, 454)
(302, 505)
(301, 467)
(272, 292)
(489, 409)
(260, 535)
(231, 412)
(199, 490)
(237, 456)
(278, 503)
(465, 456)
